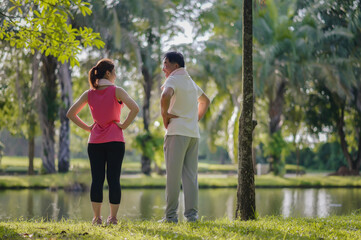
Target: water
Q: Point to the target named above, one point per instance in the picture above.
(149, 204)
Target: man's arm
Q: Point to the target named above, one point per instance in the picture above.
(203, 103)
(164, 105)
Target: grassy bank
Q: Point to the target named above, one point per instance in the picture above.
(210, 176)
(342, 227)
(155, 181)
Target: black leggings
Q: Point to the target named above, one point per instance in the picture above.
(110, 154)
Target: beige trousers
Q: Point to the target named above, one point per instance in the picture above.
(181, 158)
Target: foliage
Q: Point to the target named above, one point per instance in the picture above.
(43, 25)
(329, 156)
(219, 59)
(150, 145)
(276, 148)
(334, 227)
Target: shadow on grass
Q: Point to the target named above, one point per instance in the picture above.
(166, 234)
(214, 231)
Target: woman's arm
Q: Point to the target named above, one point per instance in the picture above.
(123, 96)
(73, 111)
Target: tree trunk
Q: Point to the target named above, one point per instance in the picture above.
(298, 160)
(66, 101)
(275, 114)
(48, 112)
(147, 86)
(276, 109)
(353, 165)
(246, 203)
(32, 123)
(31, 145)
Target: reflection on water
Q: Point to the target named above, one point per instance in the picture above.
(150, 203)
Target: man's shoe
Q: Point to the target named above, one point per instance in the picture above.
(168, 220)
(192, 219)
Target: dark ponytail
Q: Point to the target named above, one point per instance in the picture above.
(98, 71)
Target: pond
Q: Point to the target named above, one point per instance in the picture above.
(149, 204)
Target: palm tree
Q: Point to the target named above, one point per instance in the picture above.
(48, 111)
(219, 60)
(282, 61)
(337, 70)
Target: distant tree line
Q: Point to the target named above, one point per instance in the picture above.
(306, 71)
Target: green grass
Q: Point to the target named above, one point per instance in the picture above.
(20, 164)
(335, 227)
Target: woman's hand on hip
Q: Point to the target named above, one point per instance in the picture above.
(91, 127)
(120, 125)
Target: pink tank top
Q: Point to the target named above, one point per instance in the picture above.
(105, 109)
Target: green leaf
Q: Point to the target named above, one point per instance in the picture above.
(12, 8)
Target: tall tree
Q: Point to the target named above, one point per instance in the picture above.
(246, 197)
(66, 101)
(19, 86)
(32, 115)
(42, 25)
(48, 111)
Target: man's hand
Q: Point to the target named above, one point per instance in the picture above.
(166, 119)
(164, 105)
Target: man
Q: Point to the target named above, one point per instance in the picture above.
(183, 104)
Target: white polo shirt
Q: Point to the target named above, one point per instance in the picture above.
(184, 104)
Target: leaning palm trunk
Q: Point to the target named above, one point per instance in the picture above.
(275, 115)
(66, 99)
(147, 85)
(246, 204)
(146, 167)
(48, 112)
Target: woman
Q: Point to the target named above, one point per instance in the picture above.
(106, 141)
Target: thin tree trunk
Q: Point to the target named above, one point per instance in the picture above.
(34, 92)
(48, 112)
(246, 203)
(66, 98)
(147, 85)
(298, 160)
(31, 144)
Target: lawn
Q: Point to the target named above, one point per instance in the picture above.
(335, 227)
